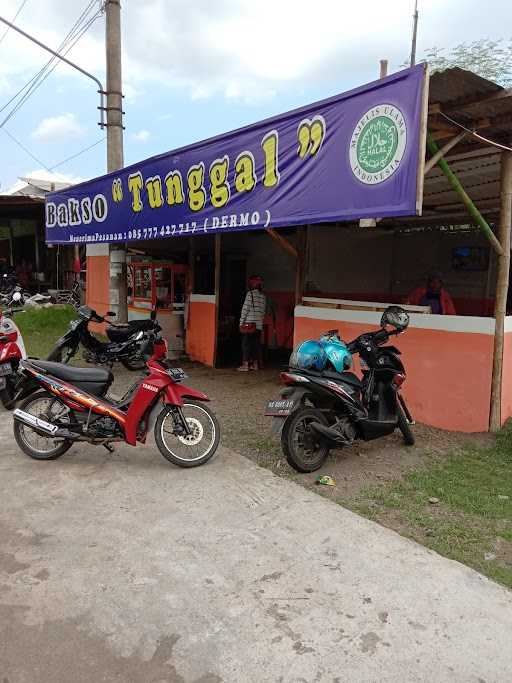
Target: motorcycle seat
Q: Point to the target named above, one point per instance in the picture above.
(121, 333)
(347, 377)
(93, 380)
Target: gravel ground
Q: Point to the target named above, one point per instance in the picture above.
(239, 401)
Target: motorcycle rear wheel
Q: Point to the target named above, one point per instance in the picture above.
(405, 427)
(133, 363)
(62, 354)
(304, 450)
(192, 450)
(46, 406)
(6, 399)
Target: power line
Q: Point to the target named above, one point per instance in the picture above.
(73, 36)
(39, 79)
(27, 151)
(24, 2)
(61, 163)
(74, 156)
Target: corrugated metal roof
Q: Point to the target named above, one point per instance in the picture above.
(479, 105)
(457, 85)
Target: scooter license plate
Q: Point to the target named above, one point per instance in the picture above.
(5, 369)
(281, 407)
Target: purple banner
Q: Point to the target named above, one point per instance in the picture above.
(352, 156)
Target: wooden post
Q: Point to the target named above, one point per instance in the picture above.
(191, 264)
(217, 291)
(300, 268)
(190, 283)
(500, 306)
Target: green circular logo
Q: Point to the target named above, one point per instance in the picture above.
(378, 144)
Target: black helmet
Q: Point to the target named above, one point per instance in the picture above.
(395, 317)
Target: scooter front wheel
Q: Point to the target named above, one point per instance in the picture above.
(405, 427)
(304, 449)
(195, 448)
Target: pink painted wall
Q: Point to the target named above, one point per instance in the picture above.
(448, 373)
(506, 387)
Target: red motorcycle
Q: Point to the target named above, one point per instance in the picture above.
(12, 351)
(65, 404)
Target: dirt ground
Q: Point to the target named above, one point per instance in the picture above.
(239, 400)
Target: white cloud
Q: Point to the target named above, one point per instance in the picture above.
(141, 135)
(57, 128)
(248, 51)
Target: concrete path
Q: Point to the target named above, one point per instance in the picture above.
(124, 568)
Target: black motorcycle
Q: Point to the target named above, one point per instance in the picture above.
(125, 341)
(318, 411)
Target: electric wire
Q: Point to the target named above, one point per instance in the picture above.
(39, 78)
(27, 151)
(40, 73)
(24, 2)
(474, 133)
(74, 156)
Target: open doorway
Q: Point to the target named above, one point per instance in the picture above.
(233, 285)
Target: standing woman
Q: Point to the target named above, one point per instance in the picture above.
(251, 323)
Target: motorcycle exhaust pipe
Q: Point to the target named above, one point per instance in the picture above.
(38, 424)
(329, 433)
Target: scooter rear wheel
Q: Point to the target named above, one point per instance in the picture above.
(304, 450)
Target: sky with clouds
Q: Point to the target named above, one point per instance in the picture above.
(195, 69)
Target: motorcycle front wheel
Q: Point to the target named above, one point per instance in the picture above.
(195, 448)
(405, 427)
(303, 448)
(45, 406)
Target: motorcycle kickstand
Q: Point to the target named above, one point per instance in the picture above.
(109, 447)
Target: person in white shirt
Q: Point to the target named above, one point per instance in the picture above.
(251, 323)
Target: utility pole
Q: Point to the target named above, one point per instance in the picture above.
(115, 161)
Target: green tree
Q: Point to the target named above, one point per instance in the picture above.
(491, 59)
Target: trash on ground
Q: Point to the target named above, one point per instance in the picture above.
(326, 480)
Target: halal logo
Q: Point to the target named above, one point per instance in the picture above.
(378, 144)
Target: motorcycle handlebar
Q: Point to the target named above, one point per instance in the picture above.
(379, 337)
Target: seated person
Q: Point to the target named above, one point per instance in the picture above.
(433, 295)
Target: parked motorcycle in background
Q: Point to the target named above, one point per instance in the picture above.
(12, 351)
(325, 406)
(125, 345)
